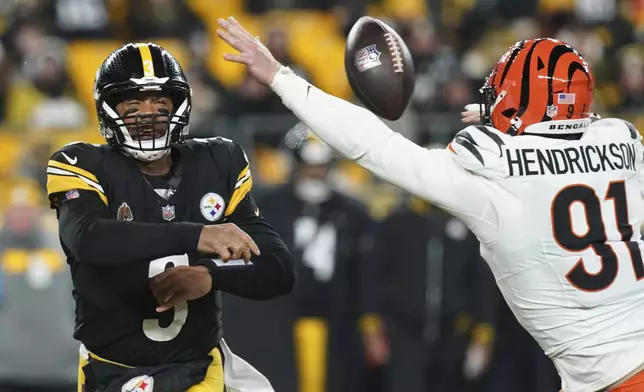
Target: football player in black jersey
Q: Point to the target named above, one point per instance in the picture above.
(154, 226)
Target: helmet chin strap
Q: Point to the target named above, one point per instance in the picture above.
(145, 156)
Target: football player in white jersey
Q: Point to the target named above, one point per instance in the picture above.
(555, 198)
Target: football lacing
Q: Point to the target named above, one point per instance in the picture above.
(396, 54)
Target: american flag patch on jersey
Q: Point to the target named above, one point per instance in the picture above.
(74, 194)
(566, 98)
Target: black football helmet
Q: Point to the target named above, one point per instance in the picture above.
(131, 70)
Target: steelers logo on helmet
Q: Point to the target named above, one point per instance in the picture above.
(143, 101)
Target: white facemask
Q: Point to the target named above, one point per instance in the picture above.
(312, 191)
(147, 155)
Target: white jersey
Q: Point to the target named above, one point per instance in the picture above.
(558, 221)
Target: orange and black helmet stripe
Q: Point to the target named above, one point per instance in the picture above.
(532, 74)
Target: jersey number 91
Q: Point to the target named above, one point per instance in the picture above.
(595, 237)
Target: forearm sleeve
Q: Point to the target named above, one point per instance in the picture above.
(93, 238)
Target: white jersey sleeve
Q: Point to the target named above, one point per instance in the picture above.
(434, 175)
(479, 149)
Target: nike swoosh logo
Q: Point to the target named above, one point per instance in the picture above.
(308, 88)
(257, 211)
(70, 160)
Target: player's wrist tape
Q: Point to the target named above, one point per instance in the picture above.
(220, 271)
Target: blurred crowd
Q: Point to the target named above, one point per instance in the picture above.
(399, 298)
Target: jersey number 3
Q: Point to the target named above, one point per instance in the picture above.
(595, 236)
(152, 327)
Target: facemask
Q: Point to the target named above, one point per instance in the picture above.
(312, 190)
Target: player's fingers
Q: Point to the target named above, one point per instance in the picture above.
(231, 40)
(240, 30)
(225, 24)
(236, 250)
(160, 290)
(167, 305)
(253, 246)
(242, 252)
(233, 28)
(164, 298)
(164, 307)
(223, 252)
(235, 58)
(173, 300)
(472, 119)
(248, 240)
(162, 277)
(246, 255)
(473, 107)
(163, 292)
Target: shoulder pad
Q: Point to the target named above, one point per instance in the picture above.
(479, 149)
(79, 154)
(211, 140)
(236, 161)
(619, 129)
(217, 145)
(75, 167)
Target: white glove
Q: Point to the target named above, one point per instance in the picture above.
(472, 114)
(477, 360)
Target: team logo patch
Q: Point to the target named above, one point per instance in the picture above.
(212, 206)
(167, 212)
(139, 384)
(367, 58)
(124, 213)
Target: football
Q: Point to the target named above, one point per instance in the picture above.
(379, 68)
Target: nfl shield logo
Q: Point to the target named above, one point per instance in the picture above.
(552, 111)
(367, 58)
(167, 212)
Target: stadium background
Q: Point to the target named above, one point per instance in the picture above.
(50, 49)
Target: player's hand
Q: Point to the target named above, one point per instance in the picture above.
(228, 241)
(180, 284)
(376, 347)
(258, 59)
(477, 360)
(472, 114)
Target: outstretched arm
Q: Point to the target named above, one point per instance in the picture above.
(360, 135)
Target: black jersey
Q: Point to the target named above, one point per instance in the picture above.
(117, 227)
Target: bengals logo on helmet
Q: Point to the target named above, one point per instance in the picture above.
(535, 81)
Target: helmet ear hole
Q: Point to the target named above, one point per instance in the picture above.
(509, 112)
(177, 97)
